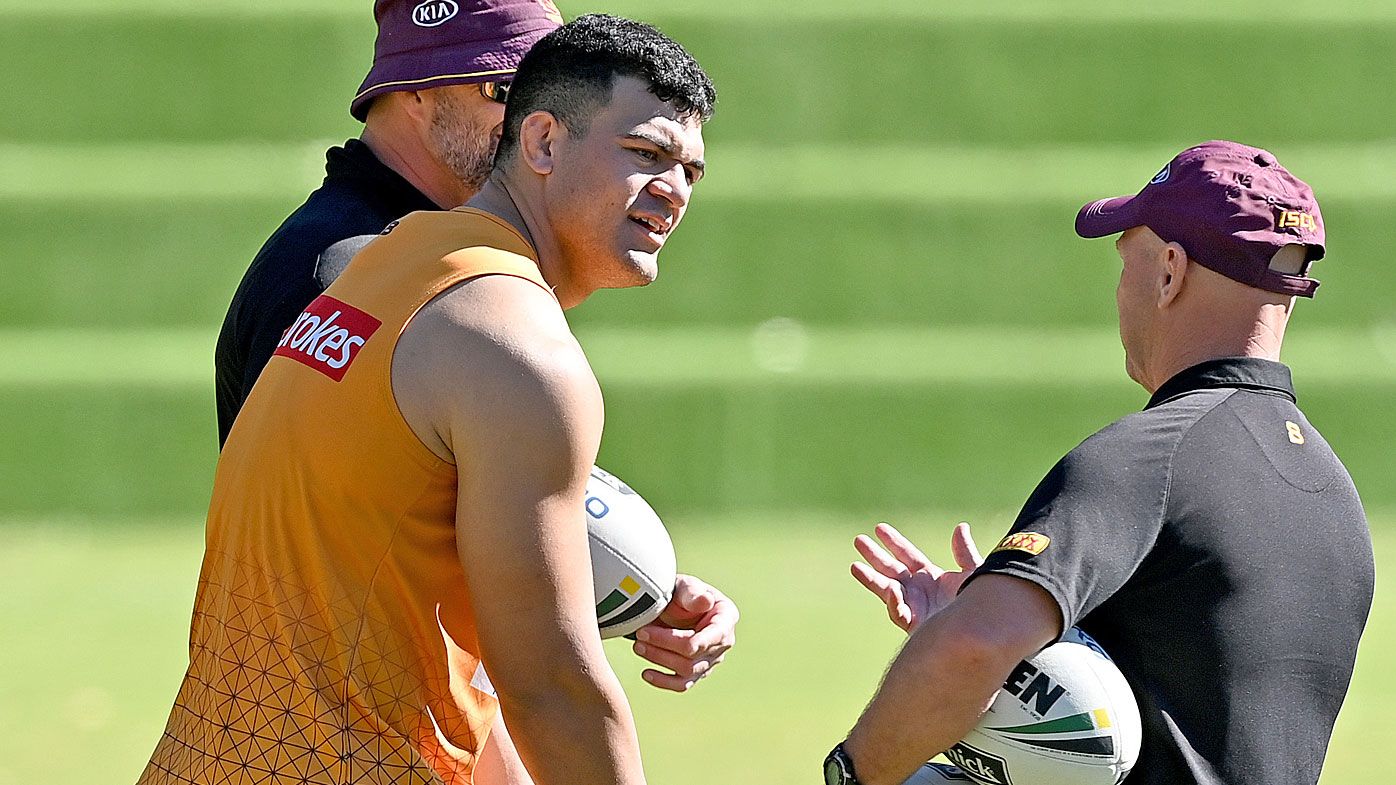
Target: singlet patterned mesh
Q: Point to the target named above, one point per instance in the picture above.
(333, 639)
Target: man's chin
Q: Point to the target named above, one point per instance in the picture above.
(642, 269)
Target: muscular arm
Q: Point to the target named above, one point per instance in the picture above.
(489, 375)
(947, 674)
(499, 761)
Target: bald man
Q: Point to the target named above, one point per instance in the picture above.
(1212, 543)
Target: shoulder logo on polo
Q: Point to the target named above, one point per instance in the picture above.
(1162, 176)
(434, 12)
(1027, 542)
(327, 336)
(1296, 434)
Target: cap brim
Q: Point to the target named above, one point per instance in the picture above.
(359, 106)
(462, 62)
(1105, 217)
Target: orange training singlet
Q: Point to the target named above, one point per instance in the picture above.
(333, 640)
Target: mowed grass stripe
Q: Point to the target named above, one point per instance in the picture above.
(160, 171)
(1081, 11)
(124, 586)
(921, 175)
(175, 264)
(777, 353)
(866, 79)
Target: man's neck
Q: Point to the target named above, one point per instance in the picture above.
(415, 164)
(1261, 337)
(509, 202)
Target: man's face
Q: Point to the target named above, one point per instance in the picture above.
(616, 194)
(1136, 297)
(463, 132)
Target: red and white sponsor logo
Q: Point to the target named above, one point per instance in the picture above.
(327, 336)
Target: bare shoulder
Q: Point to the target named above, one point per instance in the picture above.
(493, 358)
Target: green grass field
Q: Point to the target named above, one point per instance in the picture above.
(875, 306)
(103, 615)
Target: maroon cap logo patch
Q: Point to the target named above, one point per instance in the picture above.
(1295, 219)
(327, 336)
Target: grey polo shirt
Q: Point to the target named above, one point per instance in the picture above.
(1216, 547)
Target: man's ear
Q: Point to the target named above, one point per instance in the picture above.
(1173, 270)
(419, 105)
(538, 139)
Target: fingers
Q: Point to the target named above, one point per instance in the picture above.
(911, 585)
(904, 550)
(691, 601)
(693, 595)
(681, 665)
(713, 635)
(668, 681)
(671, 681)
(690, 651)
(717, 632)
(879, 559)
(887, 590)
(688, 654)
(962, 546)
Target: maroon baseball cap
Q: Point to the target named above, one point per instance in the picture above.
(1231, 208)
(434, 43)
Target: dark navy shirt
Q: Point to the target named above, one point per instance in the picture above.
(359, 196)
(1216, 548)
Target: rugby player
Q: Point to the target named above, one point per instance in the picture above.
(432, 105)
(396, 551)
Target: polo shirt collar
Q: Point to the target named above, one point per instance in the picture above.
(1250, 373)
(355, 161)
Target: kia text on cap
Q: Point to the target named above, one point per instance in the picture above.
(434, 12)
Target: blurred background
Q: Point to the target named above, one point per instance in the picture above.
(875, 310)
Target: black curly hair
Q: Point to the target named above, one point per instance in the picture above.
(571, 71)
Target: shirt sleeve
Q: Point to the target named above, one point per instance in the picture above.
(260, 312)
(1087, 527)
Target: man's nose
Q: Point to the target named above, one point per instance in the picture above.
(673, 186)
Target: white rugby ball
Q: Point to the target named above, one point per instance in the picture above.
(632, 557)
(1063, 717)
(934, 773)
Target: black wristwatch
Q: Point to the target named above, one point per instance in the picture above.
(838, 768)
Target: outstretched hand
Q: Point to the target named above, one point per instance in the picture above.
(911, 585)
(691, 636)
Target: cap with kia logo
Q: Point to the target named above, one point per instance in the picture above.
(434, 43)
(1231, 208)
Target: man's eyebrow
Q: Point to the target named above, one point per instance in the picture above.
(667, 144)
